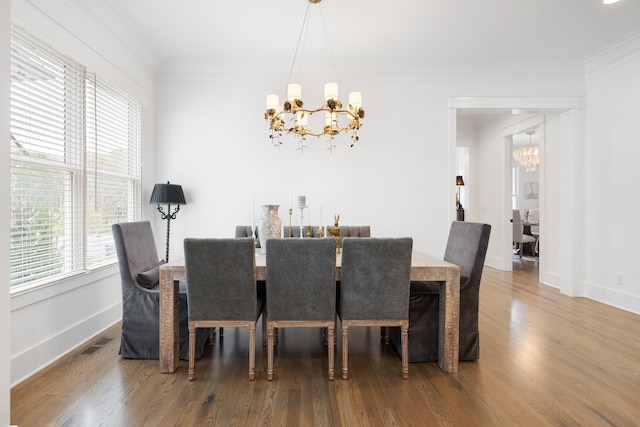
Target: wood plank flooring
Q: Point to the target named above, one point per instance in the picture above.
(546, 360)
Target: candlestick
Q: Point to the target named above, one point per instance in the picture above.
(301, 220)
(290, 196)
(290, 225)
(309, 232)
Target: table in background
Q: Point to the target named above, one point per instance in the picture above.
(526, 227)
(423, 267)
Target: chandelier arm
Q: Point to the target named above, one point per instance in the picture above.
(337, 111)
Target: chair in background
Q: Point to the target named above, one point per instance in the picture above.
(467, 248)
(139, 274)
(221, 290)
(534, 219)
(374, 289)
(352, 231)
(247, 231)
(519, 238)
(295, 231)
(301, 289)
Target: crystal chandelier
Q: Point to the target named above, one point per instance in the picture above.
(527, 156)
(293, 118)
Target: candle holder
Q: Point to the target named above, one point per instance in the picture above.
(290, 224)
(320, 232)
(335, 232)
(302, 208)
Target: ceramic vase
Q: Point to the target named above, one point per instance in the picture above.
(270, 225)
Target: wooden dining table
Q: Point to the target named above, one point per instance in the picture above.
(423, 267)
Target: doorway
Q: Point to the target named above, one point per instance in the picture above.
(489, 197)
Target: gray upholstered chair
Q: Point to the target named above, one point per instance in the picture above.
(221, 289)
(301, 289)
(139, 275)
(374, 289)
(295, 231)
(466, 247)
(519, 238)
(247, 231)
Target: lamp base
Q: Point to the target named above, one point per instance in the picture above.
(460, 213)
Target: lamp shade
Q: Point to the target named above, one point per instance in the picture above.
(459, 180)
(170, 194)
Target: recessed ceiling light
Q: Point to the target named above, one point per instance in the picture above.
(609, 1)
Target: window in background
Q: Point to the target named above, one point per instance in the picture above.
(75, 154)
(515, 186)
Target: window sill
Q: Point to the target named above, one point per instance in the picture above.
(26, 296)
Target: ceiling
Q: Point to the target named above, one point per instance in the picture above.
(375, 30)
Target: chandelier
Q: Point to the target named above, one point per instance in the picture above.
(527, 156)
(292, 117)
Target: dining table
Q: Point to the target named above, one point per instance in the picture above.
(526, 226)
(423, 267)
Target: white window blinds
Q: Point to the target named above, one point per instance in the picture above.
(75, 154)
(113, 165)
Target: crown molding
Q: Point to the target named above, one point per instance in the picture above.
(94, 35)
(386, 71)
(619, 53)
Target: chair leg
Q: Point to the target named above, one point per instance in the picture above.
(252, 351)
(192, 351)
(387, 335)
(269, 353)
(221, 332)
(212, 335)
(404, 341)
(345, 351)
(331, 350)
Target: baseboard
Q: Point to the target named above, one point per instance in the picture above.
(43, 354)
(614, 297)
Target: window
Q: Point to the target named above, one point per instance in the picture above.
(515, 186)
(75, 164)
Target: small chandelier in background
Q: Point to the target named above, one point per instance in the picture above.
(293, 118)
(527, 156)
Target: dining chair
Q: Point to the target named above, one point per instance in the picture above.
(295, 231)
(247, 231)
(374, 289)
(301, 290)
(140, 276)
(519, 238)
(221, 289)
(466, 247)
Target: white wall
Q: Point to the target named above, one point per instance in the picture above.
(611, 202)
(399, 179)
(48, 322)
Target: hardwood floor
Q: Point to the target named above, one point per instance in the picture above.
(546, 359)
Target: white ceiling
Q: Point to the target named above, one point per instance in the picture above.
(375, 30)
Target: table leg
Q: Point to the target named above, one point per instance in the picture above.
(169, 321)
(449, 337)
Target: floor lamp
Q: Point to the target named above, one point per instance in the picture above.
(169, 194)
(459, 208)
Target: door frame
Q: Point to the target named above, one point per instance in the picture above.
(540, 105)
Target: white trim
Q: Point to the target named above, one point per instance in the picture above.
(626, 50)
(43, 354)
